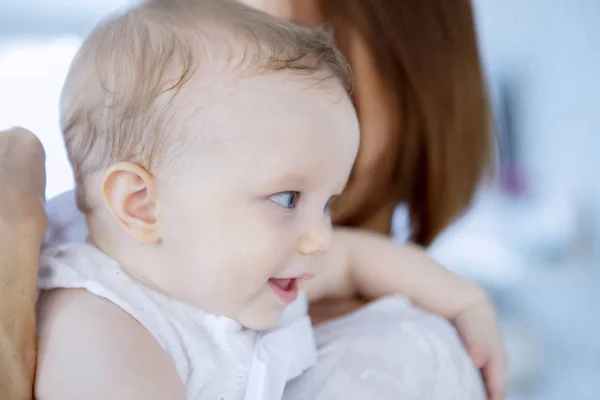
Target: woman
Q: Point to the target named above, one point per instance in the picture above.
(425, 142)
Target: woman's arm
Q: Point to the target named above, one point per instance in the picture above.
(22, 227)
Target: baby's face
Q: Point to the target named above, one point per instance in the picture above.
(245, 217)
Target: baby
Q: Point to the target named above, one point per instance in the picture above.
(208, 140)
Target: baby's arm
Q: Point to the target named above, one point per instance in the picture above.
(372, 266)
(90, 349)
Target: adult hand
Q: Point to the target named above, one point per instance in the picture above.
(479, 328)
(22, 227)
(22, 161)
(22, 178)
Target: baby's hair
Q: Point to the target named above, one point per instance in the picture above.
(117, 97)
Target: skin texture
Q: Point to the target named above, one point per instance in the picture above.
(124, 353)
(22, 227)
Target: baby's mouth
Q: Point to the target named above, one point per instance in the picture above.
(285, 288)
(283, 284)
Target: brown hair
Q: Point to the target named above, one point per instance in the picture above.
(117, 98)
(439, 142)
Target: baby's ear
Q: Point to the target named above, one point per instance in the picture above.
(129, 192)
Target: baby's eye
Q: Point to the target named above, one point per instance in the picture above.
(326, 208)
(286, 199)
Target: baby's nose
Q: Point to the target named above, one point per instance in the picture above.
(315, 240)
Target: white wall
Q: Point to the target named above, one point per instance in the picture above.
(548, 52)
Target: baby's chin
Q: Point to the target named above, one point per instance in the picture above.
(261, 321)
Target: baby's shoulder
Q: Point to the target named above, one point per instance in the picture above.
(77, 314)
(90, 348)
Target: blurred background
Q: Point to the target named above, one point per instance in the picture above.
(532, 238)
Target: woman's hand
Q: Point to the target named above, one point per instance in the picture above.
(22, 161)
(22, 181)
(22, 227)
(479, 329)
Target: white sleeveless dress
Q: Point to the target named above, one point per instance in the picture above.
(215, 357)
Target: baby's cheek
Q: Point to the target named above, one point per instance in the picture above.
(267, 252)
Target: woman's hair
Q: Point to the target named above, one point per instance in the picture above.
(439, 142)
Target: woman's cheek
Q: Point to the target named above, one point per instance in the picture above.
(277, 8)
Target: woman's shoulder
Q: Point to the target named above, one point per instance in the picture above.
(90, 348)
(393, 349)
(66, 224)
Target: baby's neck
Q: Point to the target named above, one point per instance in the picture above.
(134, 257)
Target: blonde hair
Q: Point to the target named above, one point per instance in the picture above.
(117, 99)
